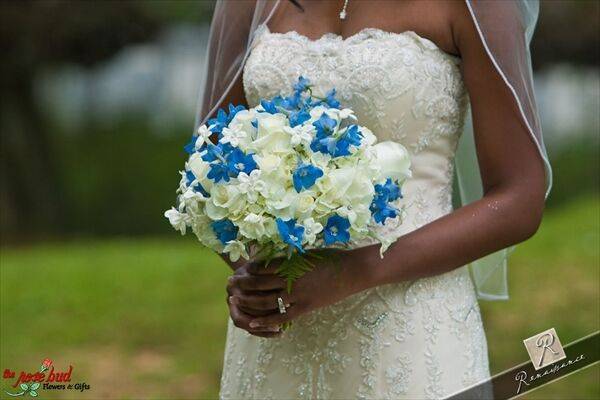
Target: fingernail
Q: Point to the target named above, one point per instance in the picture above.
(231, 300)
(273, 329)
(254, 324)
(230, 279)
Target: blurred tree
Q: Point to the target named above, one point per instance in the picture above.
(567, 32)
(35, 35)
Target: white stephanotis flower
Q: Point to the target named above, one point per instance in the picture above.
(251, 185)
(316, 112)
(342, 114)
(235, 135)
(204, 135)
(178, 220)
(236, 249)
(311, 229)
(301, 134)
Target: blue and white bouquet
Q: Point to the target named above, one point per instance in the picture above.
(291, 174)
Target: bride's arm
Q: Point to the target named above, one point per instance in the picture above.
(510, 212)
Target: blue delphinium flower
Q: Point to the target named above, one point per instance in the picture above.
(302, 84)
(238, 161)
(190, 177)
(289, 103)
(219, 122)
(391, 189)
(299, 117)
(305, 176)
(380, 207)
(269, 106)
(381, 211)
(291, 233)
(336, 147)
(336, 230)
(217, 152)
(233, 110)
(218, 172)
(225, 230)
(353, 135)
(190, 147)
(331, 100)
(324, 144)
(325, 125)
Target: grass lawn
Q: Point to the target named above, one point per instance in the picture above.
(145, 318)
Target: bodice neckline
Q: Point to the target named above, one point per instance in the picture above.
(363, 34)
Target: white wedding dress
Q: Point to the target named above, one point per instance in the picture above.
(411, 340)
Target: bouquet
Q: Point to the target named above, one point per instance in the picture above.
(291, 174)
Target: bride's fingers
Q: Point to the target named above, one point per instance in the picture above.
(242, 320)
(267, 301)
(274, 319)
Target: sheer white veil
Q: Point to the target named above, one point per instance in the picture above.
(505, 29)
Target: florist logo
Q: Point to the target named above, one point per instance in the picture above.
(30, 383)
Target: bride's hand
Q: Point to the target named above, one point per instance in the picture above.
(258, 287)
(242, 315)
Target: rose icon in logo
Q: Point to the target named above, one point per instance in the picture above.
(45, 365)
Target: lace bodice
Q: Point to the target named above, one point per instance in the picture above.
(420, 339)
(400, 85)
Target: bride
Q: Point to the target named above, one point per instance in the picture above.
(408, 325)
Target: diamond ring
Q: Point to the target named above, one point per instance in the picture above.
(281, 306)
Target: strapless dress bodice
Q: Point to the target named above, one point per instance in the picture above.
(400, 85)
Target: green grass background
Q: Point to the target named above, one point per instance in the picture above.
(145, 318)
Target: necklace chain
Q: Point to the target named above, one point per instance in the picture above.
(343, 12)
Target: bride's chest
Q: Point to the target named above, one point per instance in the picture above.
(398, 84)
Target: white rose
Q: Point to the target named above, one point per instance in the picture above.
(245, 118)
(281, 206)
(200, 169)
(368, 137)
(393, 161)
(303, 204)
(268, 162)
(224, 200)
(253, 226)
(271, 138)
